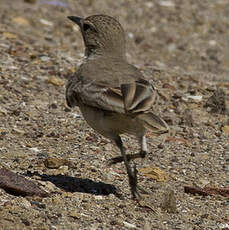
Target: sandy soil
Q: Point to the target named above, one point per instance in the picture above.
(183, 47)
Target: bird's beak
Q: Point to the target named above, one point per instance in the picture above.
(77, 20)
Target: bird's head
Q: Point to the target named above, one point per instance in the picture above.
(102, 34)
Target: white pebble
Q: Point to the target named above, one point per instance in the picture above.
(128, 225)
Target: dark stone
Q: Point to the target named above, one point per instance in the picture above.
(18, 185)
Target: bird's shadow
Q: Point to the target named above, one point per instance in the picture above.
(75, 184)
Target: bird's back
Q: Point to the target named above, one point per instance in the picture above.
(99, 74)
(112, 72)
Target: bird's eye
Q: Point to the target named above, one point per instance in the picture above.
(86, 27)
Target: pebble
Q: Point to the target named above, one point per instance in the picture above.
(45, 58)
(46, 22)
(129, 225)
(167, 3)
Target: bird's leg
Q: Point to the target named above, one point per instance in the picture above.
(141, 154)
(132, 174)
(144, 149)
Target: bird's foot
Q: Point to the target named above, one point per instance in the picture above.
(135, 189)
(143, 153)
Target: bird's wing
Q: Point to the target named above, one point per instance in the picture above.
(134, 97)
(138, 96)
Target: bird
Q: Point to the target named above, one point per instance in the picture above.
(113, 95)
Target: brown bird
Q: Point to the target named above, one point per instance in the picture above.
(113, 96)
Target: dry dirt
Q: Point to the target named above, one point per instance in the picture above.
(183, 46)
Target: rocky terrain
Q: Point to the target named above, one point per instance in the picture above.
(183, 48)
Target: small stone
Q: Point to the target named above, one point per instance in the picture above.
(166, 3)
(46, 22)
(149, 4)
(129, 225)
(147, 226)
(55, 163)
(195, 98)
(76, 115)
(99, 197)
(25, 221)
(187, 118)
(154, 173)
(45, 58)
(20, 21)
(207, 191)
(53, 106)
(161, 146)
(169, 202)
(18, 131)
(172, 47)
(168, 86)
(225, 129)
(217, 102)
(30, 1)
(164, 95)
(9, 35)
(22, 202)
(48, 186)
(201, 182)
(74, 214)
(56, 81)
(62, 170)
(35, 149)
(212, 43)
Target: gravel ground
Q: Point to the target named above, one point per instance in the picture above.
(183, 47)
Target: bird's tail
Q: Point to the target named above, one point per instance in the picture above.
(153, 123)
